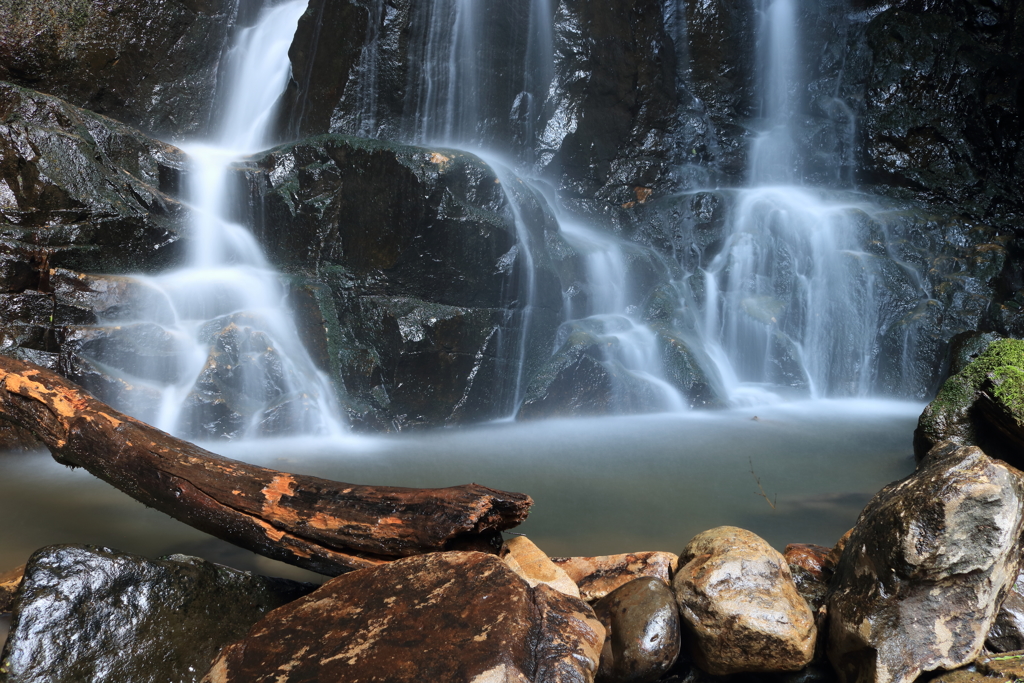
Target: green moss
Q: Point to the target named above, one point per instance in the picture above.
(1004, 356)
(1008, 387)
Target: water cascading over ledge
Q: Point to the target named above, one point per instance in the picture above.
(642, 157)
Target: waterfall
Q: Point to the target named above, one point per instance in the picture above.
(236, 365)
(792, 299)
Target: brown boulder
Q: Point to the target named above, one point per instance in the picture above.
(450, 616)
(599, 576)
(739, 605)
(528, 561)
(928, 564)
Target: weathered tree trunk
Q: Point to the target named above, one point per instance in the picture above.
(322, 525)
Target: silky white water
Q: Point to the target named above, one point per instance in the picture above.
(241, 369)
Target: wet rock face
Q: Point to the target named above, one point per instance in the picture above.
(88, 613)
(411, 269)
(9, 582)
(78, 193)
(941, 115)
(1007, 633)
(612, 106)
(921, 579)
(474, 617)
(740, 609)
(150, 65)
(642, 623)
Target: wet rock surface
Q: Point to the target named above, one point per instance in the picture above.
(1007, 633)
(411, 264)
(598, 576)
(444, 617)
(811, 567)
(927, 566)
(150, 65)
(739, 607)
(641, 619)
(88, 613)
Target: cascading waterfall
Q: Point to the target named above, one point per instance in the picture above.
(792, 298)
(239, 367)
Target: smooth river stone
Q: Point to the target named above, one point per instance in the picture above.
(528, 561)
(928, 564)
(599, 576)
(452, 616)
(642, 623)
(739, 605)
(811, 570)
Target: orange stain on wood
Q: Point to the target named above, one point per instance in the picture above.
(273, 534)
(281, 486)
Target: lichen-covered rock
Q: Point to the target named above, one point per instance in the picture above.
(450, 616)
(598, 576)
(641, 619)
(927, 566)
(152, 65)
(970, 406)
(95, 614)
(740, 608)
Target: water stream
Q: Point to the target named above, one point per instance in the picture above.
(239, 367)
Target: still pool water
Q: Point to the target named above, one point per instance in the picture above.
(601, 485)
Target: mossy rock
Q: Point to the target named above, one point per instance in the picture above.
(992, 383)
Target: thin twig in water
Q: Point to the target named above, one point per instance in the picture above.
(757, 480)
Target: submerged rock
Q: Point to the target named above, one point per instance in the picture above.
(440, 617)
(922, 577)
(739, 606)
(92, 614)
(598, 576)
(642, 623)
(150, 65)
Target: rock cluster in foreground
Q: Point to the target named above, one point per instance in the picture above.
(916, 586)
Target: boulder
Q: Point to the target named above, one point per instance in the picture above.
(929, 562)
(596, 577)
(88, 614)
(150, 65)
(740, 609)
(535, 567)
(1007, 666)
(412, 259)
(641, 619)
(980, 405)
(452, 616)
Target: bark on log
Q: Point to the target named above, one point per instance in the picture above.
(325, 526)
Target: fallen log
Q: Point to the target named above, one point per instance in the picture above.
(325, 526)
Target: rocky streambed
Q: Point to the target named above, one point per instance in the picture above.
(925, 584)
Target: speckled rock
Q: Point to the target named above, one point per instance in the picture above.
(450, 616)
(929, 562)
(641, 619)
(528, 561)
(599, 576)
(95, 614)
(739, 605)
